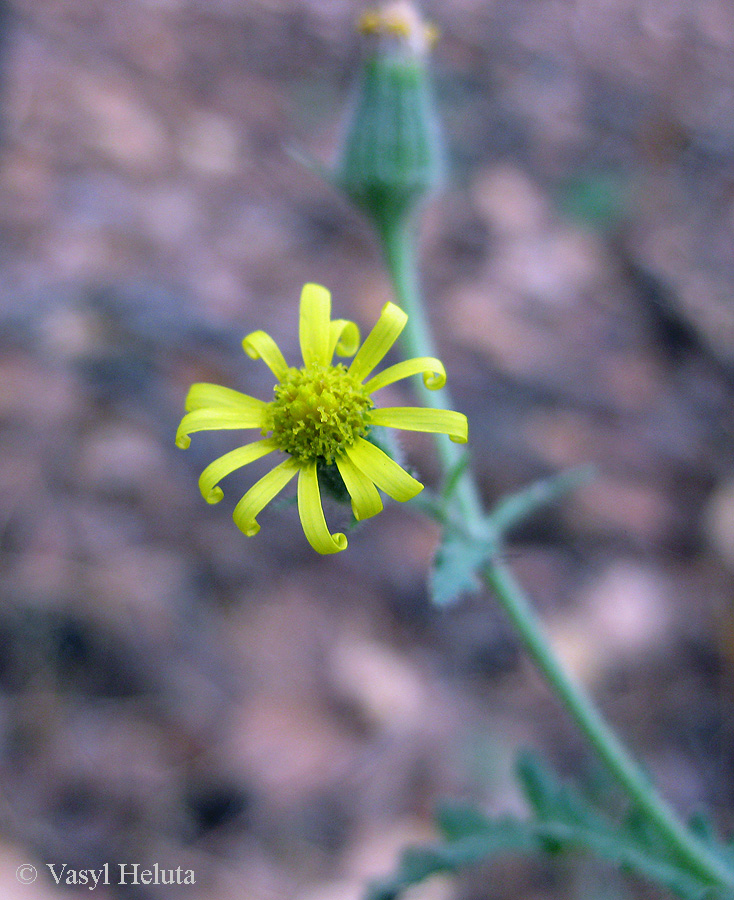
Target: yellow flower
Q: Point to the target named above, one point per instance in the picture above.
(321, 416)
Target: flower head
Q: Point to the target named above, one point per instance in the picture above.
(321, 415)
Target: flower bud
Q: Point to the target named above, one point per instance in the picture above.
(392, 155)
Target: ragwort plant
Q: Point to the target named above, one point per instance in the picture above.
(323, 418)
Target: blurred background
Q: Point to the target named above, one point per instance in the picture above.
(279, 722)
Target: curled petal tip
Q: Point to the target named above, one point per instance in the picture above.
(341, 542)
(432, 369)
(335, 544)
(183, 441)
(249, 529)
(254, 343)
(260, 345)
(248, 347)
(214, 495)
(434, 381)
(461, 435)
(345, 337)
(311, 513)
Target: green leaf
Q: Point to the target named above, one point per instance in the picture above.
(514, 509)
(458, 820)
(461, 555)
(481, 839)
(419, 863)
(455, 566)
(565, 821)
(550, 798)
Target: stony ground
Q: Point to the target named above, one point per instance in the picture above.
(282, 723)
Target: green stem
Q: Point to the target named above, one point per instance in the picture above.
(603, 739)
(398, 241)
(399, 248)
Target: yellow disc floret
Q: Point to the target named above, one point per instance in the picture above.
(400, 20)
(318, 411)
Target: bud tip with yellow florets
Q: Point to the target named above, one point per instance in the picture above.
(392, 156)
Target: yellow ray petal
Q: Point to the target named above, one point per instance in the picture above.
(391, 322)
(214, 419)
(434, 374)
(259, 345)
(312, 514)
(313, 325)
(343, 337)
(415, 418)
(366, 501)
(203, 395)
(260, 494)
(226, 464)
(383, 471)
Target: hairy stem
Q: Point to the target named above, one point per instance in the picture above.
(398, 242)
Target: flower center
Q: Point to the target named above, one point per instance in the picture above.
(317, 411)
